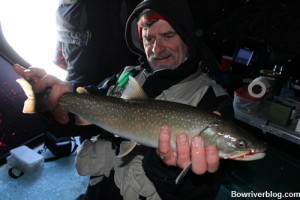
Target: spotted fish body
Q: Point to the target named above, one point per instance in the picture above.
(138, 120)
(141, 120)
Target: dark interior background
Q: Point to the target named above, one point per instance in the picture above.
(225, 23)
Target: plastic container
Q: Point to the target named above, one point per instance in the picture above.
(243, 101)
(25, 159)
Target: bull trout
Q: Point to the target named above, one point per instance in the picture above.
(139, 120)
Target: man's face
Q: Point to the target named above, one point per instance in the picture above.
(163, 46)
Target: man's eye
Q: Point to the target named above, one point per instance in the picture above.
(148, 39)
(168, 36)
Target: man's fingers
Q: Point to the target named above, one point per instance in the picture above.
(203, 159)
(165, 150)
(19, 69)
(47, 81)
(198, 156)
(60, 115)
(164, 139)
(212, 158)
(183, 150)
(34, 72)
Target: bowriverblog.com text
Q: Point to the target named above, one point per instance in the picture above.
(266, 194)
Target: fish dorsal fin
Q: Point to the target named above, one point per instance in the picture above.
(29, 104)
(133, 90)
(125, 148)
(81, 90)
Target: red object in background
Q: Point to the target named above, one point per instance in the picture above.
(16, 128)
(225, 63)
(59, 59)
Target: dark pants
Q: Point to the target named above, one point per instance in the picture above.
(104, 190)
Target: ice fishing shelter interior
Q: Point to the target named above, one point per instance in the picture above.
(251, 48)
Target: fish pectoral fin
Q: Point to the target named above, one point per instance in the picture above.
(133, 90)
(29, 104)
(183, 173)
(125, 148)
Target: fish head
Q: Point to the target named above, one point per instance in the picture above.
(235, 143)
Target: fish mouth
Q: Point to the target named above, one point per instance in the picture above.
(247, 156)
(250, 157)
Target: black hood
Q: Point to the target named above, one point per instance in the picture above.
(178, 15)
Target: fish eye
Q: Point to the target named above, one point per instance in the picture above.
(241, 144)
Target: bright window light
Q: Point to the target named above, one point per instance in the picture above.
(29, 26)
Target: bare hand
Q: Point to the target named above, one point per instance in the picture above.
(203, 159)
(40, 80)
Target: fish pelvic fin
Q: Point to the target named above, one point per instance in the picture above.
(30, 102)
(133, 90)
(183, 173)
(125, 148)
(81, 121)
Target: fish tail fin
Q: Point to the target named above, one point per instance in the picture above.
(30, 102)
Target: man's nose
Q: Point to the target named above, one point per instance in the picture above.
(158, 47)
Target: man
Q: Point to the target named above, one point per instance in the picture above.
(162, 33)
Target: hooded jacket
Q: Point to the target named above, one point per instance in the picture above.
(178, 15)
